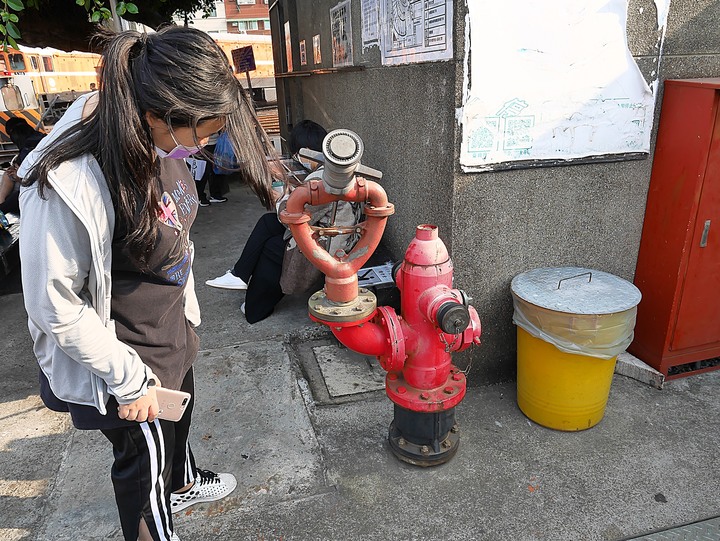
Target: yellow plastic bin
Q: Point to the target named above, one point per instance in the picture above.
(572, 324)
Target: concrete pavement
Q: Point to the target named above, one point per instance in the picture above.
(313, 466)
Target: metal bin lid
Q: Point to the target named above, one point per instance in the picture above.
(576, 290)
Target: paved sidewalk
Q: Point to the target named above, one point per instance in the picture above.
(314, 468)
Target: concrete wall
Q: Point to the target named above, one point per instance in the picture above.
(497, 224)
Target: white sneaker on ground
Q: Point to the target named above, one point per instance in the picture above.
(242, 308)
(208, 487)
(227, 281)
(214, 199)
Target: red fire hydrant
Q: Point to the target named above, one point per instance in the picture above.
(435, 319)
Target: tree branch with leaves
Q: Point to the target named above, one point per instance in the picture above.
(68, 24)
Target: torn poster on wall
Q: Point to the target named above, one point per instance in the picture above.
(288, 46)
(551, 85)
(341, 32)
(409, 31)
(317, 55)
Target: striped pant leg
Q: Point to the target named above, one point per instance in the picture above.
(183, 468)
(141, 476)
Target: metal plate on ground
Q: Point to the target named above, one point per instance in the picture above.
(705, 530)
(346, 372)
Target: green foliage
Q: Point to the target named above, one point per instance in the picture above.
(8, 14)
(151, 12)
(9, 9)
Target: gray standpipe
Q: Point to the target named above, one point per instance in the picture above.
(342, 151)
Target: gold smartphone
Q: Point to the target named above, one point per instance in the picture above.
(172, 403)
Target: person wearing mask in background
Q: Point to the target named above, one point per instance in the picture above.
(107, 264)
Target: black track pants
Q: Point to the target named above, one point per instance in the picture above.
(151, 461)
(260, 265)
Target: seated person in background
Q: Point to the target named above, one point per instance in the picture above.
(261, 263)
(25, 138)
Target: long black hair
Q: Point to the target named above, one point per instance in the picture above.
(306, 134)
(180, 75)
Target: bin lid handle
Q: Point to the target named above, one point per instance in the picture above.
(576, 276)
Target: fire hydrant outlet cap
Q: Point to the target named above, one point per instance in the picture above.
(453, 318)
(343, 147)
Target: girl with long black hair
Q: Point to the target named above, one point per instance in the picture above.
(107, 259)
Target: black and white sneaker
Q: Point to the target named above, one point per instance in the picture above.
(208, 487)
(221, 199)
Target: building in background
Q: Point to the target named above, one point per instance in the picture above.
(237, 24)
(232, 16)
(247, 17)
(214, 23)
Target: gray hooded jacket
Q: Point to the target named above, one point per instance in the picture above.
(66, 249)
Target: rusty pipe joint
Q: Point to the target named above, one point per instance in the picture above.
(340, 270)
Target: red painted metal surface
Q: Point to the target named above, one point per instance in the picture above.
(340, 270)
(678, 269)
(412, 346)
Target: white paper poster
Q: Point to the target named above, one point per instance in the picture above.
(554, 84)
(416, 30)
(341, 31)
(370, 22)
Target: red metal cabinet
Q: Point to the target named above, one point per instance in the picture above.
(678, 269)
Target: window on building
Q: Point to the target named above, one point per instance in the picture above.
(17, 62)
(248, 25)
(48, 63)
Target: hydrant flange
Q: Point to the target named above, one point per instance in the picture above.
(362, 308)
(442, 398)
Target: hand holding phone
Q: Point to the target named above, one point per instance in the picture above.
(172, 403)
